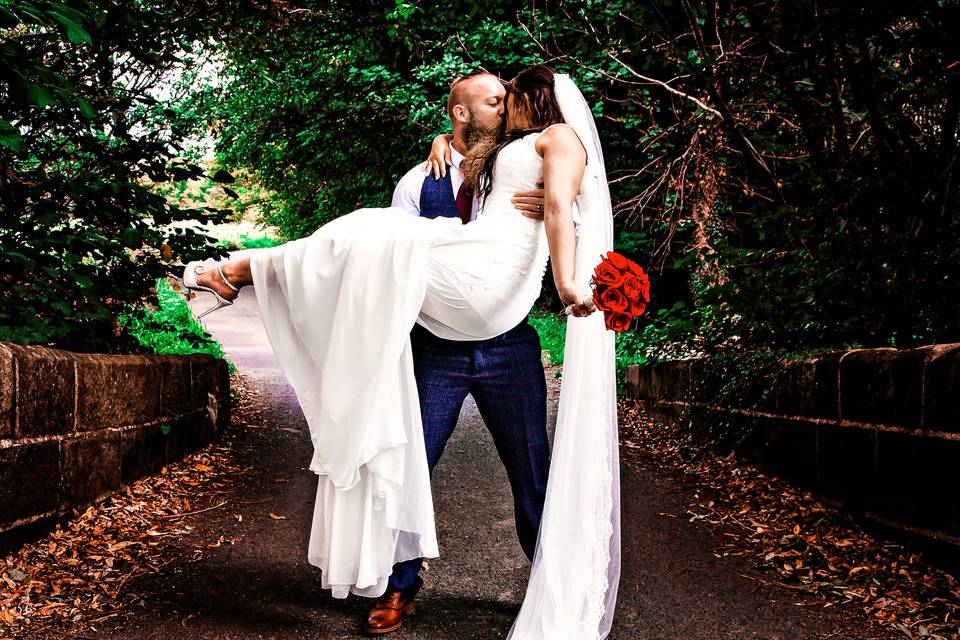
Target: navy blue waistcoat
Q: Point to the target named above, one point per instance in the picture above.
(437, 199)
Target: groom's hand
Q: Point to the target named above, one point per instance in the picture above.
(530, 203)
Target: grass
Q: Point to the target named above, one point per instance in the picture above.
(553, 331)
(250, 242)
(171, 328)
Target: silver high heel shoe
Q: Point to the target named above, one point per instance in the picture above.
(190, 273)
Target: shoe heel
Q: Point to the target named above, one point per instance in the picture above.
(221, 303)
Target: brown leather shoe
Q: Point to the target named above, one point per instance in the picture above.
(391, 609)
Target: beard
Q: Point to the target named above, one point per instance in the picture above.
(479, 134)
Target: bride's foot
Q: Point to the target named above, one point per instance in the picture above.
(215, 276)
(209, 276)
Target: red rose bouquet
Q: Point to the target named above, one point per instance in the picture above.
(621, 290)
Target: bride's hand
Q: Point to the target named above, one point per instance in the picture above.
(579, 301)
(440, 156)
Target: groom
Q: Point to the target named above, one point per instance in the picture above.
(503, 374)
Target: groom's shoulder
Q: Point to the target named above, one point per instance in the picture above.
(406, 195)
(413, 179)
(414, 176)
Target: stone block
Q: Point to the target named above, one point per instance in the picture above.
(189, 434)
(728, 384)
(918, 480)
(7, 393)
(809, 388)
(203, 430)
(176, 397)
(46, 391)
(941, 390)
(29, 480)
(669, 381)
(143, 451)
(115, 391)
(883, 386)
(718, 429)
(90, 467)
(785, 448)
(633, 387)
(846, 469)
(203, 377)
(223, 380)
(179, 436)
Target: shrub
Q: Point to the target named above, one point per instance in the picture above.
(171, 328)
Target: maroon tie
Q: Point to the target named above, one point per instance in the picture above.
(464, 203)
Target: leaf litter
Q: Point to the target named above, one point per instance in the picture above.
(803, 544)
(85, 572)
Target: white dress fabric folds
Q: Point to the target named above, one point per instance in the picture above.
(338, 307)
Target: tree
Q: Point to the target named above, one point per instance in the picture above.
(81, 137)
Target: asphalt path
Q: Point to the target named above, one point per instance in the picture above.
(261, 585)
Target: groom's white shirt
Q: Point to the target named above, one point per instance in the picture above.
(407, 194)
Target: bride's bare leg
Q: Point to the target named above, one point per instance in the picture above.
(238, 272)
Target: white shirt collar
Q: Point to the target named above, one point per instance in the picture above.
(455, 156)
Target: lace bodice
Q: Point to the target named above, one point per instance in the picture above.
(519, 167)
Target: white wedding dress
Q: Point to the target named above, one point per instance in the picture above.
(338, 307)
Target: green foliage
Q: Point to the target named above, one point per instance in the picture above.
(171, 328)
(630, 348)
(82, 235)
(787, 171)
(785, 190)
(348, 98)
(552, 331)
(256, 242)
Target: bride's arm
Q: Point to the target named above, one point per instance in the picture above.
(439, 156)
(564, 160)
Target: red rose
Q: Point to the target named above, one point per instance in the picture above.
(617, 322)
(636, 270)
(637, 307)
(645, 289)
(597, 294)
(631, 286)
(612, 299)
(607, 274)
(618, 261)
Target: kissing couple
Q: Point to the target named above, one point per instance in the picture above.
(380, 318)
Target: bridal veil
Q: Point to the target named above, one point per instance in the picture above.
(572, 591)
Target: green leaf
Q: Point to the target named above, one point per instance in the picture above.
(223, 177)
(8, 19)
(9, 137)
(74, 30)
(86, 109)
(39, 96)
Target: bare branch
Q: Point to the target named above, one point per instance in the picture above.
(685, 96)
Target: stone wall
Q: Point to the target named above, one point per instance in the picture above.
(876, 430)
(74, 427)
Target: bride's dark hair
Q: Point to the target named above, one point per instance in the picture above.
(532, 88)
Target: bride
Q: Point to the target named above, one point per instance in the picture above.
(338, 307)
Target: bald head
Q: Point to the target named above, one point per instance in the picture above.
(475, 103)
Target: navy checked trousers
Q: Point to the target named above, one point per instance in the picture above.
(505, 377)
